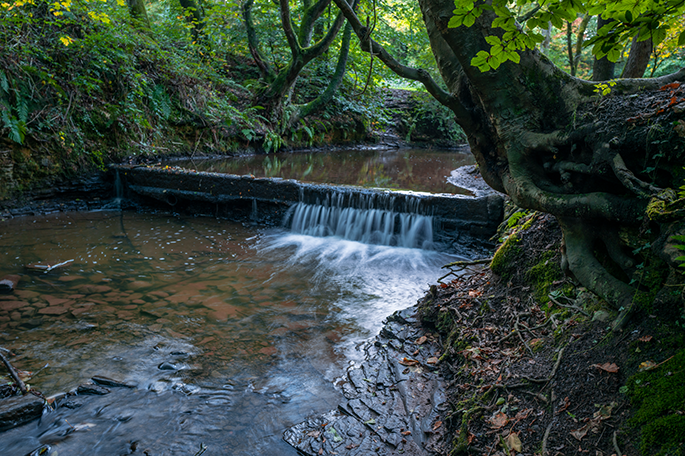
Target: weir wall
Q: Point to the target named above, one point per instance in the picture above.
(266, 200)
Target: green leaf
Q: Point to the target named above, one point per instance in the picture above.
(681, 39)
(455, 21)
(469, 20)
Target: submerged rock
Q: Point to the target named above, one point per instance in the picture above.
(17, 410)
(106, 381)
(9, 283)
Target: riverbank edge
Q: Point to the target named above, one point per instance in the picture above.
(524, 361)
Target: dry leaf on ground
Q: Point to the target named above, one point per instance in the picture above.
(607, 367)
(498, 420)
(513, 442)
(408, 362)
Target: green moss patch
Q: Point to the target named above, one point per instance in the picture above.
(659, 399)
(543, 274)
(504, 260)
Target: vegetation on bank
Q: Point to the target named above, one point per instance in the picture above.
(534, 363)
(83, 84)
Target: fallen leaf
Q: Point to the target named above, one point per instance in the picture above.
(314, 434)
(408, 362)
(432, 360)
(405, 432)
(604, 412)
(421, 340)
(607, 367)
(443, 285)
(513, 442)
(437, 425)
(647, 365)
(321, 450)
(498, 420)
(580, 433)
(673, 85)
(523, 414)
(646, 339)
(474, 293)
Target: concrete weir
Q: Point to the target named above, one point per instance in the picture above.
(453, 217)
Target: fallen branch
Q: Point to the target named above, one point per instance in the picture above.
(463, 264)
(13, 373)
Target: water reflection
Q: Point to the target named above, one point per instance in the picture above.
(232, 333)
(407, 169)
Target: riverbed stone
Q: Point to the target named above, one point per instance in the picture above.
(17, 410)
(106, 381)
(92, 389)
(56, 310)
(32, 323)
(12, 305)
(393, 401)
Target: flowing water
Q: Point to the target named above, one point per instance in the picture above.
(231, 332)
(416, 169)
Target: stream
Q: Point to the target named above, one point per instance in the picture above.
(231, 332)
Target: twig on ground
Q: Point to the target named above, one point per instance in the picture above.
(576, 308)
(13, 373)
(462, 264)
(616, 448)
(549, 427)
(556, 366)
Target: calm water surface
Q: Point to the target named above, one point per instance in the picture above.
(231, 332)
(407, 169)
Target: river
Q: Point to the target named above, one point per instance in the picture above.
(231, 332)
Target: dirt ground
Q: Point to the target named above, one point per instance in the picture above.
(529, 372)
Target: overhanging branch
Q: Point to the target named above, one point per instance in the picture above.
(369, 45)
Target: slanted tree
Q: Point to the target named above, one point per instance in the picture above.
(603, 158)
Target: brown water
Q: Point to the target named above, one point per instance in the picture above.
(419, 170)
(231, 333)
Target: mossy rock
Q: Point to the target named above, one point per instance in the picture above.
(504, 260)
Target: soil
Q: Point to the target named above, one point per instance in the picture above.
(534, 376)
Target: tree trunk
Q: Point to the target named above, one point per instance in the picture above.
(266, 71)
(638, 59)
(333, 85)
(553, 144)
(603, 69)
(136, 9)
(196, 18)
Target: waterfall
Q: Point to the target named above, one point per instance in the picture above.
(368, 218)
(118, 189)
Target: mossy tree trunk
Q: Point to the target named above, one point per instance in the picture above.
(302, 50)
(138, 12)
(196, 17)
(549, 141)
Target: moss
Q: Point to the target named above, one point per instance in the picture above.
(659, 398)
(504, 260)
(543, 274)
